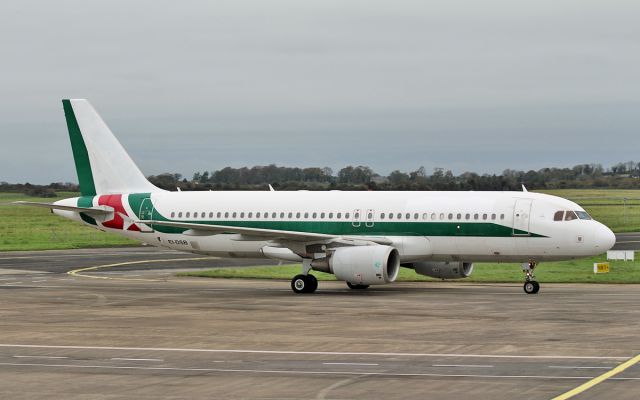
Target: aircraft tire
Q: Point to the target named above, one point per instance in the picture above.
(356, 287)
(531, 287)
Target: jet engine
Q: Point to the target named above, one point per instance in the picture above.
(443, 270)
(361, 265)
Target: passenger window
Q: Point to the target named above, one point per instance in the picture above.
(370, 216)
(173, 214)
(441, 216)
(450, 216)
(187, 215)
(346, 215)
(415, 216)
(467, 216)
(501, 216)
(314, 215)
(339, 215)
(399, 216)
(274, 215)
(242, 215)
(258, 214)
(290, 215)
(558, 216)
(250, 215)
(390, 215)
(211, 215)
(234, 214)
(356, 215)
(306, 215)
(282, 215)
(425, 216)
(202, 215)
(407, 216)
(180, 214)
(570, 216)
(219, 214)
(265, 215)
(321, 215)
(433, 216)
(330, 215)
(297, 215)
(493, 217)
(459, 216)
(484, 216)
(476, 216)
(382, 216)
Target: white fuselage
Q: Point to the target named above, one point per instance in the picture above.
(441, 226)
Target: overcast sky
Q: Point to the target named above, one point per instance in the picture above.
(199, 85)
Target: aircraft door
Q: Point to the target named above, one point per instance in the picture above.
(146, 213)
(356, 218)
(369, 221)
(522, 217)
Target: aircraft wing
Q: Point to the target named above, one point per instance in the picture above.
(102, 210)
(265, 234)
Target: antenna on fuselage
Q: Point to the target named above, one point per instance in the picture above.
(271, 189)
(524, 189)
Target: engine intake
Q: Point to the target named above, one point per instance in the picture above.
(362, 265)
(443, 270)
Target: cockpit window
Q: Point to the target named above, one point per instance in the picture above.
(570, 216)
(583, 215)
(558, 216)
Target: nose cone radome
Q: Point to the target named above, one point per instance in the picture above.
(604, 238)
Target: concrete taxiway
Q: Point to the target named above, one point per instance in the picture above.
(134, 330)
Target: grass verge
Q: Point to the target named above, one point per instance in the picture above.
(34, 228)
(578, 271)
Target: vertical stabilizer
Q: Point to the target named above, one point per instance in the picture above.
(102, 164)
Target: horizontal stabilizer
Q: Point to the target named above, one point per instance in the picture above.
(102, 210)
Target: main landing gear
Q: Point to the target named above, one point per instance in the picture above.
(304, 282)
(356, 287)
(531, 286)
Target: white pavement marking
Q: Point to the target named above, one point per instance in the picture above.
(463, 365)
(322, 353)
(575, 367)
(137, 359)
(348, 363)
(44, 357)
(298, 372)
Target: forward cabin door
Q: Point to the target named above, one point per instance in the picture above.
(146, 213)
(522, 217)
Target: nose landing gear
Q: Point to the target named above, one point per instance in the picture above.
(531, 286)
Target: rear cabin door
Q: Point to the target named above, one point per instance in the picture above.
(146, 213)
(522, 217)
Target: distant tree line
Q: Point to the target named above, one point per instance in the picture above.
(624, 175)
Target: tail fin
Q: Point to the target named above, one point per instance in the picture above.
(102, 164)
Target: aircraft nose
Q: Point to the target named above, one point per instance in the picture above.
(605, 238)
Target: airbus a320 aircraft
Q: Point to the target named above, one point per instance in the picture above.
(363, 238)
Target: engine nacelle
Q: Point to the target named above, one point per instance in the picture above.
(362, 265)
(443, 270)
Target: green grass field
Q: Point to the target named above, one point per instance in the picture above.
(580, 271)
(30, 228)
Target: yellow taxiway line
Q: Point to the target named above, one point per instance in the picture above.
(79, 271)
(599, 379)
